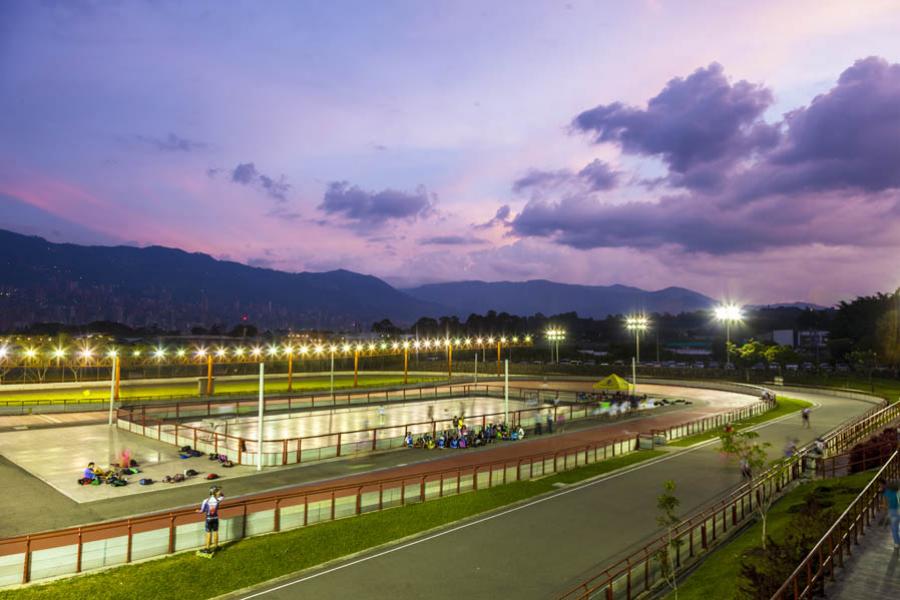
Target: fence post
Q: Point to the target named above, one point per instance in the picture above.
(171, 533)
(26, 570)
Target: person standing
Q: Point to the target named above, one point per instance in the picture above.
(210, 508)
(805, 414)
(890, 497)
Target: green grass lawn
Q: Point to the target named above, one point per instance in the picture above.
(186, 576)
(886, 388)
(785, 406)
(718, 575)
(224, 388)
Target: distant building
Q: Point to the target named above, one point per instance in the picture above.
(812, 338)
(689, 348)
(784, 337)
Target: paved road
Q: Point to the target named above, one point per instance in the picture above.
(871, 572)
(31, 506)
(542, 548)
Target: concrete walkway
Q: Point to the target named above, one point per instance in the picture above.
(544, 547)
(873, 571)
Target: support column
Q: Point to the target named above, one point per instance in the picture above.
(355, 368)
(449, 361)
(113, 388)
(506, 393)
(290, 387)
(476, 368)
(405, 366)
(118, 376)
(209, 373)
(260, 424)
(498, 358)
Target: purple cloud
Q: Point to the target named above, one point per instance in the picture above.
(692, 123)
(364, 208)
(838, 158)
(599, 176)
(246, 174)
(451, 240)
(595, 176)
(171, 143)
(501, 217)
(847, 138)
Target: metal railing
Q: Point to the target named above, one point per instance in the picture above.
(162, 422)
(78, 549)
(712, 422)
(640, 573)
(819, 564)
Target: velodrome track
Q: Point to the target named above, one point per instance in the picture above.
(547, 545)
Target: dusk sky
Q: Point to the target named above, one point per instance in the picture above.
(748, 150)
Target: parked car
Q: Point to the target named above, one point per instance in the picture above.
(842, 367)
(792, 367)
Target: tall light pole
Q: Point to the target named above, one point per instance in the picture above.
(260, 424)
(728, 313)
(638, 324)
(554, 337)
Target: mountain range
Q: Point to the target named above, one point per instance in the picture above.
(550, 298)
(42, 281)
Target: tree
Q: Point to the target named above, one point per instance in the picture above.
(781, 355)
(864, 361)
(752, 352)
(667, 503)
(744, 446)
(385, 327)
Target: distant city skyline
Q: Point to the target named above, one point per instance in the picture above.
(749, 151)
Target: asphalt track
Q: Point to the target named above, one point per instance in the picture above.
(545, 546)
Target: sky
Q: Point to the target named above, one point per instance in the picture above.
(749, 151)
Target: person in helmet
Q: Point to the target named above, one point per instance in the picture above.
(210, 508)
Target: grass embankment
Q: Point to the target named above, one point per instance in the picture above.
(225, 388)
(719, 576)
(187, 576)
(784, 406)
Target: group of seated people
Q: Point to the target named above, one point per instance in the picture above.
(614, 398)
(463, 437)
(114, 475)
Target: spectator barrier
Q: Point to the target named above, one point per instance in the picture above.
(818, 567)
(161, 422)
(639, 573)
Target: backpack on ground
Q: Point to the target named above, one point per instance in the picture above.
(212, 476)
(118, 482)
(190, 473)
(145, 481)
(133, 463)
(178, 478)
(185, 449)
(228, 464)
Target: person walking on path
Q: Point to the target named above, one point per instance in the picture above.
(890, 497)
(805, 414)
(210, 508)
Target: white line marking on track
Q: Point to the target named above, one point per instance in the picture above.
(49, 419)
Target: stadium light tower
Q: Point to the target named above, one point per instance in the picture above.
(637, 324)
(555, 336)
(729, 313)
